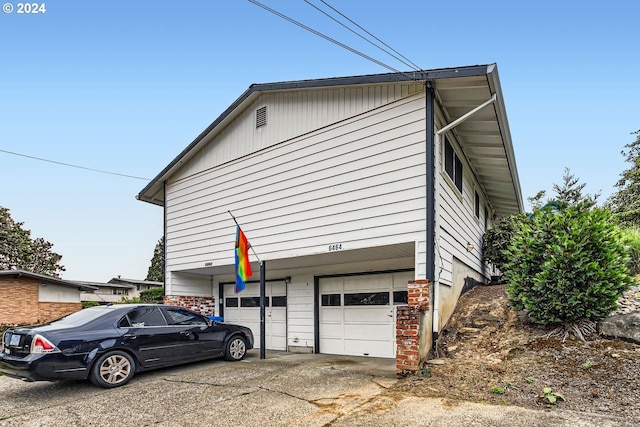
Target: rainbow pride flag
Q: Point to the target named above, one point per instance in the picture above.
(243, 266)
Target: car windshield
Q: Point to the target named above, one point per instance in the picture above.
(80, 317)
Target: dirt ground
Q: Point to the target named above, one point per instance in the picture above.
(489, 353)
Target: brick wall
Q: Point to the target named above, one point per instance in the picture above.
(48, 311)
(203, 305)
(19, 302)
(408, 322)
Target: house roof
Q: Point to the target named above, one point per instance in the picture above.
(121, 280)
(485, 137)
(47, 279)
(98, 285)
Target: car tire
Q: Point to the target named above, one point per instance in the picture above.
(113, 369)
(236, 349)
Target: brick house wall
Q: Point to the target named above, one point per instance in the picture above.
(203, 305)
(20, 305)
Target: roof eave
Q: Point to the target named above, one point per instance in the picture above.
(155, 186)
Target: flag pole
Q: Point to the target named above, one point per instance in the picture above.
(250, 245)
(263, 332)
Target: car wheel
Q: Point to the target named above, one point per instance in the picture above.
(113, 369)
(236, 349)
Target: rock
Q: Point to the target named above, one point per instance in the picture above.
(625, 326)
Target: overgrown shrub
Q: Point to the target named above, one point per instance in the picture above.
(631, 241)
(153, 295)
(496, 240)
(566, 265)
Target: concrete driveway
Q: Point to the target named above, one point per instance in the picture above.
(282, 390)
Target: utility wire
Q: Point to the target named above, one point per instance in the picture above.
(406, 61)
(73, 166)
(342, 45)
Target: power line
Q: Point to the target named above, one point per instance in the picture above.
(406, 61)
(324, 36)
(73, 166)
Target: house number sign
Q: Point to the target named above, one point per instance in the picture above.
(335, 247)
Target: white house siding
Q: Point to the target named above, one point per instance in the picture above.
(58, 293)
(291, 114)
(456, 228)
(358, 182)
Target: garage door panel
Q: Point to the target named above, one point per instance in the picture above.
(332, 330)
(367, 315)
(332, 346)
(245, 310)
(278, 314)
(366, 333)
(357, 313)
(367, 348)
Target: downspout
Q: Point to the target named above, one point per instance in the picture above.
(431, 206)
(164, 239)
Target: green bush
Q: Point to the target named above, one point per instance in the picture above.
(496, 240)
(567, 264)
(631, 241)
(153, 295)
(87, 304)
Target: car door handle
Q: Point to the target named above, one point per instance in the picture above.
(131, 336)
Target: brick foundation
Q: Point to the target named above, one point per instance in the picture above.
(408, 322)
(203, 305)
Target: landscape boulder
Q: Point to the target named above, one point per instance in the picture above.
(624, 326)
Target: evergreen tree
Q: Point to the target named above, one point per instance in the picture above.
(625, 203)
(156, 269)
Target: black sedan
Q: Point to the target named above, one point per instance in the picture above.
(109, 344)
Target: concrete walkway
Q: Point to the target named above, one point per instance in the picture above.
(282, 390)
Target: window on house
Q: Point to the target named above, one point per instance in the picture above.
(452, 165)
(261, 117)
(477, 205)
(331, 300)
(486, 217)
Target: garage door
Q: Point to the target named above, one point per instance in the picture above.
(357, 313)
(244, 309)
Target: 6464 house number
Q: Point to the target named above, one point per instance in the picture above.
(335, 247)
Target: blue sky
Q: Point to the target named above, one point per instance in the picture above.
(125, 86)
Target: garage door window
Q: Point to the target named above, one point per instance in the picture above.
(331, 300)
(231, 302)
(279, 301)
(252, 302)
(400, 297)
(367, 298)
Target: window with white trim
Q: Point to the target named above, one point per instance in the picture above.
(452, 165)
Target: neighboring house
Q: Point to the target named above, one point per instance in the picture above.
(29, 298)
(139, 285)
(364, 196)
(117, 290)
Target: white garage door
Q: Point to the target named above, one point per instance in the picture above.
(244, 309)
(357, 313)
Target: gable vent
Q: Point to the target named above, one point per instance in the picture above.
(261, 117)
